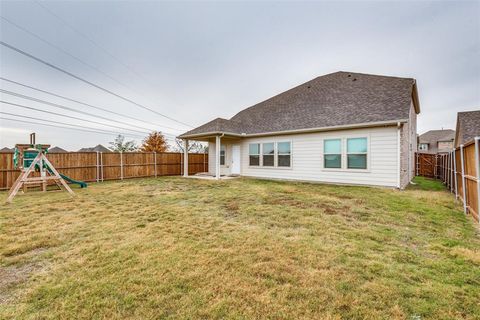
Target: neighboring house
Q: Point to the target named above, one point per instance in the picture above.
(344, 127)
(97, 148)
(436, 141)
(57, 150)
(6, 150)
(468, 127)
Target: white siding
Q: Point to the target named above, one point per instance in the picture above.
(225, 169)
(307, 158)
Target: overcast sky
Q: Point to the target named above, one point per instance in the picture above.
(195, 61)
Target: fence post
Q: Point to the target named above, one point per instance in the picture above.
(98, 168)
(477, 161)
(455, 186)
(121, 165)
(416, 163)
(155, 163)
(463, 180)
(181, 163)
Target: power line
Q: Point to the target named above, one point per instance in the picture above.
(55, 126)
(76, 118)
(63, 51)
(66, 116)
(93, 42)
(56, 105)
(86, 104)
(88, 82)
(74, 125)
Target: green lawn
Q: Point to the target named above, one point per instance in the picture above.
(244, 249)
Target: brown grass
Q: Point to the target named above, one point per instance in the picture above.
(183, 248)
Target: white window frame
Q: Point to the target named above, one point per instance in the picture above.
(359, 153)
(224, 147)
(420, 146)
(268, 154)
(283, 154)
(259, 155)
(275, 155)
(341, 153)
(344, 166)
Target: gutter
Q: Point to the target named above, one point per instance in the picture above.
(295, 131)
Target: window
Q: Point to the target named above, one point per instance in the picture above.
(357, 153)
(222, 155)
(423, 146)
(332, 153)
(268, 150)
(283, 154)
(254, 154)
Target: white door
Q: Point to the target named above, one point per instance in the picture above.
(235, 159)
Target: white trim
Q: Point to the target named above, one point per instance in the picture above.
(399, 157)
(308, 130)
(344, 153)
(185, 158)
(218, 144)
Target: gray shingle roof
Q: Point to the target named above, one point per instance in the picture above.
(468, 127)
(98, 148)
(57, 150)
(337, 99)
(433, 136)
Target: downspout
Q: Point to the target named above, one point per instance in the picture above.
(399, 156)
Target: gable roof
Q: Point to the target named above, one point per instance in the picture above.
(57, 150)
(6, 150)
(433, 136)
(468, 127)
(97, 148)
(336, 99)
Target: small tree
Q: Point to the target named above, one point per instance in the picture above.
(155, 142)
(193, 147)
(119, 144)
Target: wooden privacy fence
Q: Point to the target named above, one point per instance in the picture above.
(101, 166)
(459, 170)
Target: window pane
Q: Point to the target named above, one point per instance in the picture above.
(254, 148)
(357, 145)
(222, 160)
(333, 161)
(268, 148)
(284, 148)
(268, 160)
(254, 160)
(284, 161)
(357, 161)
(332, 146)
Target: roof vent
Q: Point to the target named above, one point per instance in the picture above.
(354, 79)
(349, 75)
(308, 87)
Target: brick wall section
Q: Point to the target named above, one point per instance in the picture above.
(408, 145)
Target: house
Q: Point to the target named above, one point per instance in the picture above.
(436, 141)
(344, 128)
(468, 127)
(57, 150)
(97, 148)
(6, 150)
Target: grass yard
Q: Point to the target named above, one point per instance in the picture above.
(239, 249)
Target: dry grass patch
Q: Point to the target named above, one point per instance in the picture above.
(184, 248)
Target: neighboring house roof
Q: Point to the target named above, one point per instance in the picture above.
(57, 150)
(332, 100)
(98, 148)
(5, 150)
(434, 136)
(468, 127)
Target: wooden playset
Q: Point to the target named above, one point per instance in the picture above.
(30, 158)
